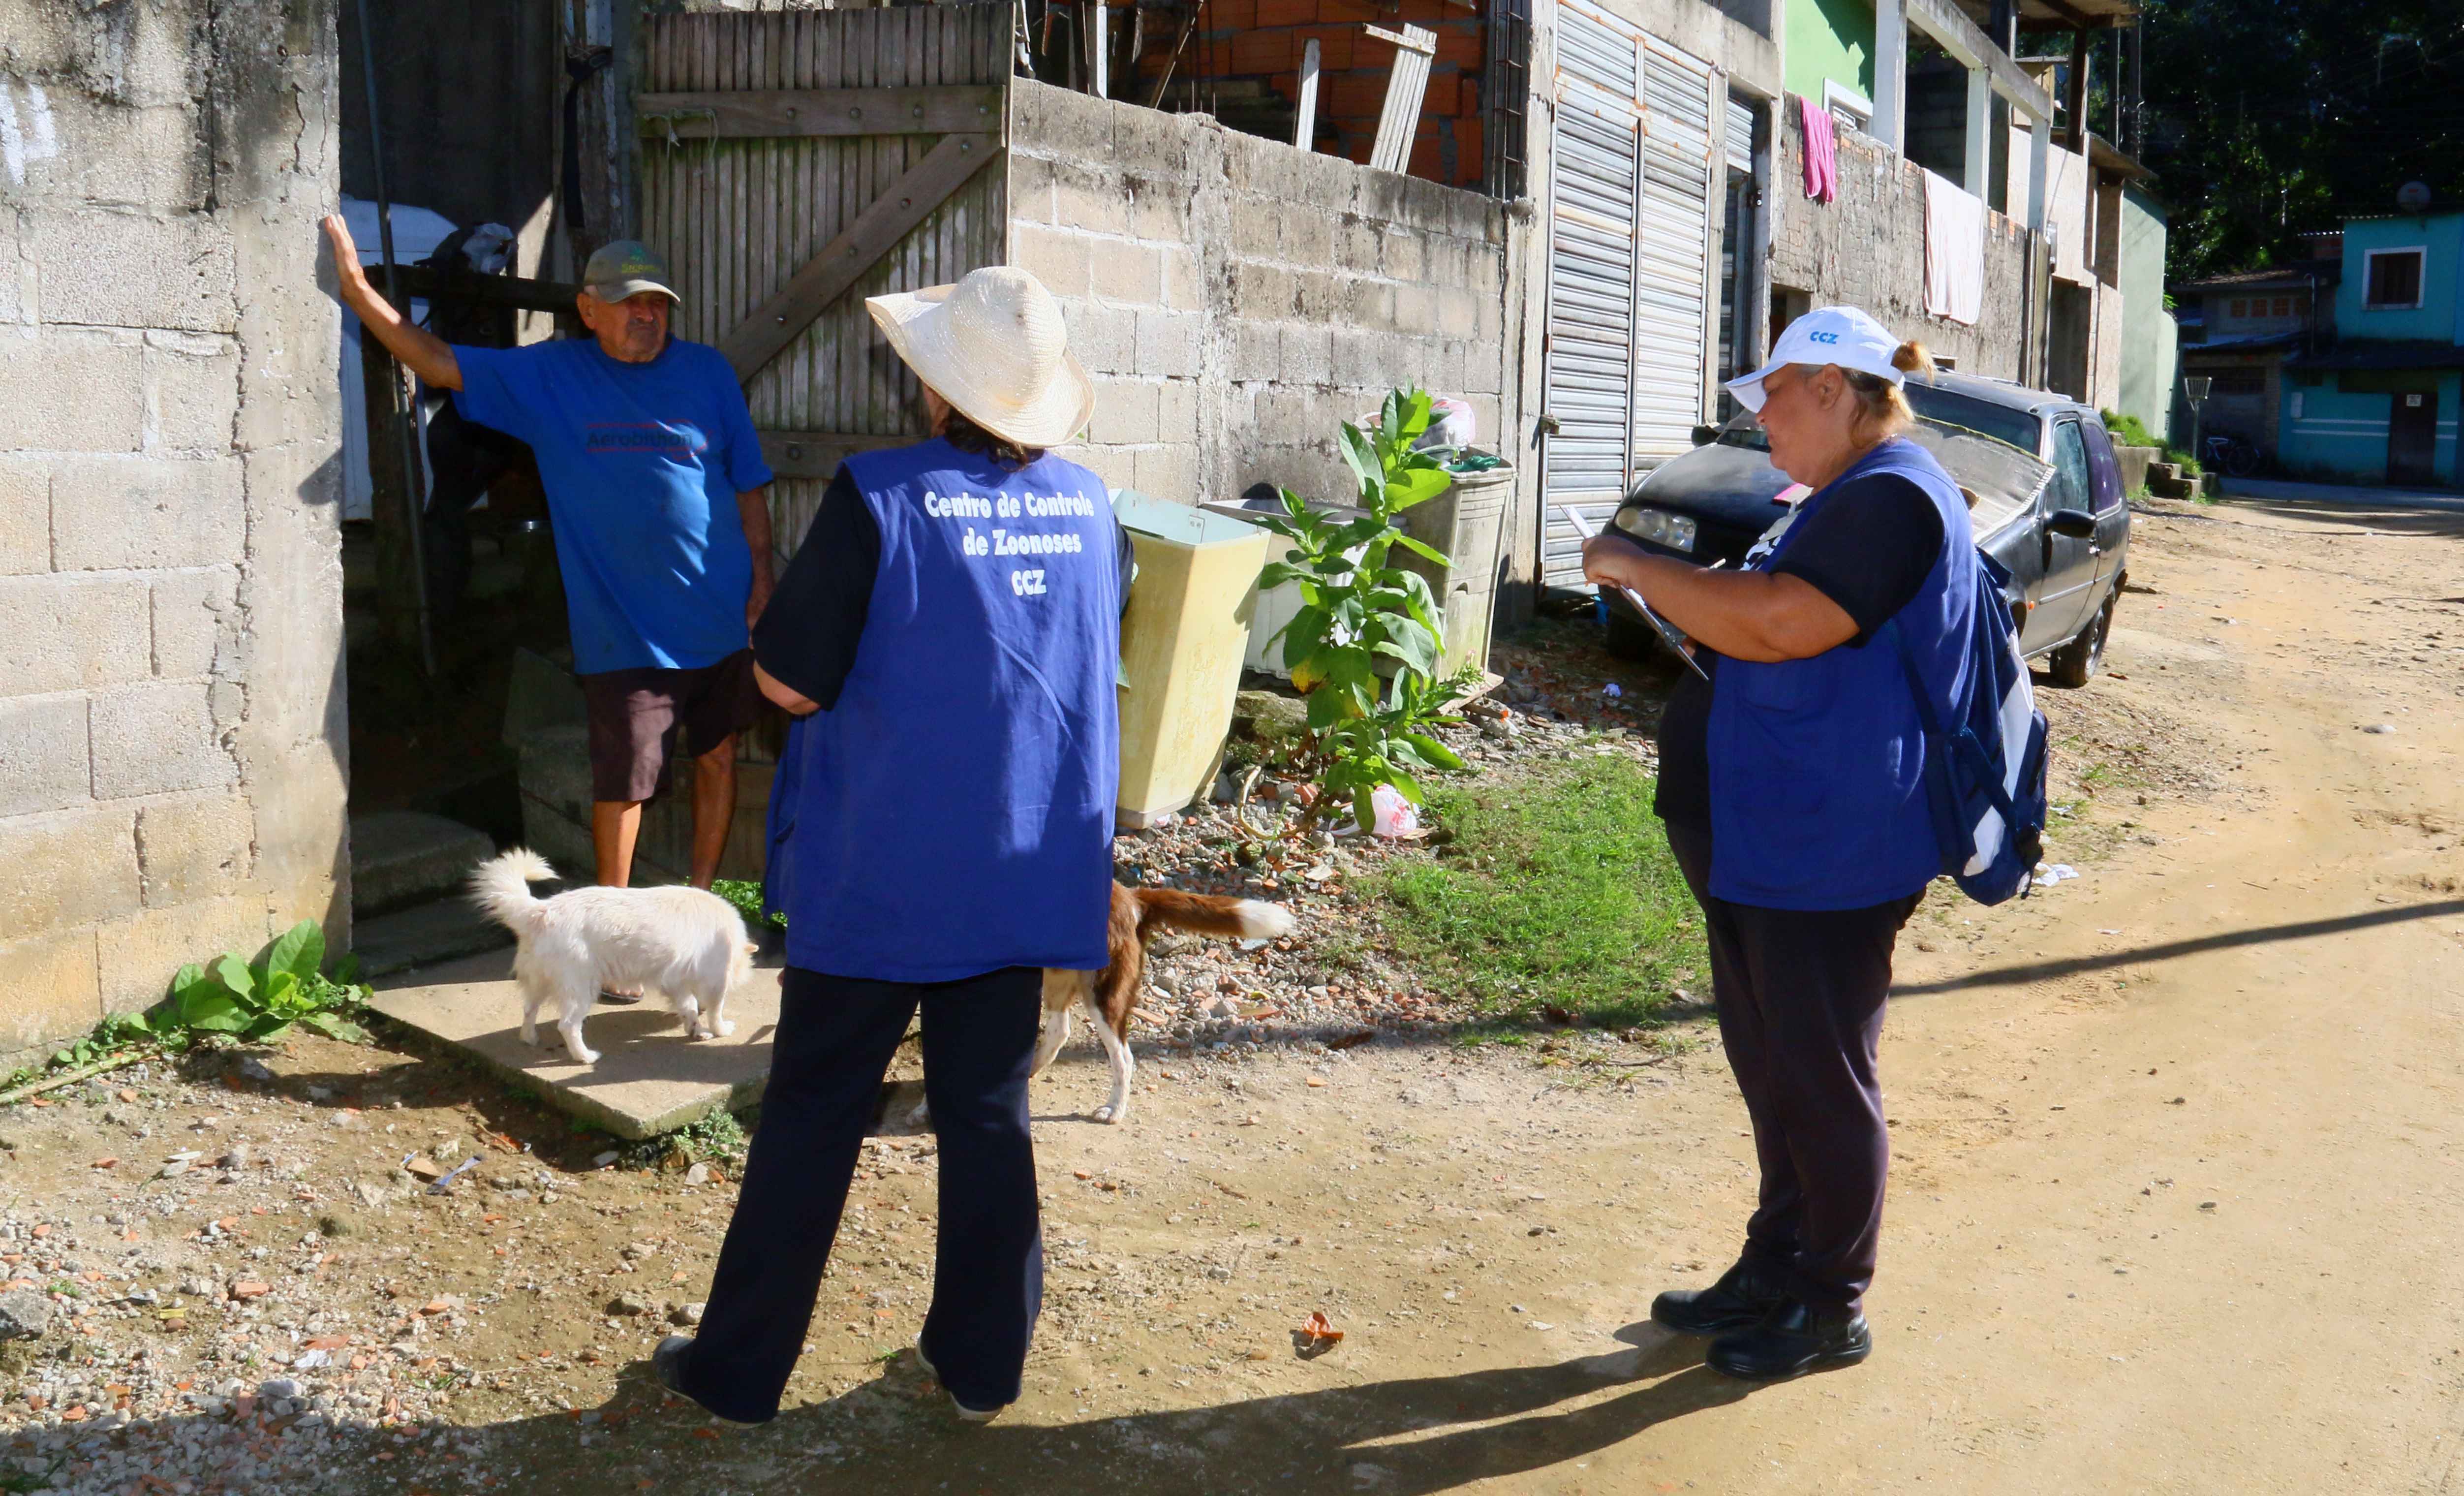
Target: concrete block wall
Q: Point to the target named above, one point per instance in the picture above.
(171, 738)
(1866, 248)
(1237, 299)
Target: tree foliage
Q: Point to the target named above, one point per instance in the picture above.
(2272, 117)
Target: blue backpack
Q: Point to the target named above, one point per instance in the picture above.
(1984, 771)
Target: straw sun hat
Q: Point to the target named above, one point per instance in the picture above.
(993, 346)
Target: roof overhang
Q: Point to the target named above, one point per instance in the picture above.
(1951, 29)
(2084, 15)
(2387, 353)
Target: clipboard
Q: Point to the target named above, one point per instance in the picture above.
(1669, 634)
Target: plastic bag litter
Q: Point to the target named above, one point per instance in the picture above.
(1396, 815)
(2050, 873)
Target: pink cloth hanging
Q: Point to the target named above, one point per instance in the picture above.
(1821, 151)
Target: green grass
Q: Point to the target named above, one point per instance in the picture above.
(1558, 889)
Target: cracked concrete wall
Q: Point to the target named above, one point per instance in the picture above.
(1236, 299)
(172, 759)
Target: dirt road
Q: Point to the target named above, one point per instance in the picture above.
(2180, 1180)
(2174, 1207)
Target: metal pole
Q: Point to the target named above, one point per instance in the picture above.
(415, 485)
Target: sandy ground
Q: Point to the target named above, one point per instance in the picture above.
(2174, 1203)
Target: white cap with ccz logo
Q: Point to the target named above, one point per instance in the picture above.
(1840, 335)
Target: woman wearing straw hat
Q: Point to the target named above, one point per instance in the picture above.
(942, 825)
(1793, 791)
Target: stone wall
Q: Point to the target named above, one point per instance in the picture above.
(1235, 298)
(1866, 248)
(171, 742)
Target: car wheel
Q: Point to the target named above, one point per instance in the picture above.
(2076, 663)
(1630, 638)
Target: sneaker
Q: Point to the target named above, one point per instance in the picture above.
(965, 1413)
(668, 1365)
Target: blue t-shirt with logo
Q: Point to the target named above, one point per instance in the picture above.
(641, 463)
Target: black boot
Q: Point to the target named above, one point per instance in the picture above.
(1743, 1294)
(1793, 1339)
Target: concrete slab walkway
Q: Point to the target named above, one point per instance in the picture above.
(2348, 495)
(649, 1078)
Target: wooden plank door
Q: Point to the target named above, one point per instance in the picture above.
(795, 163)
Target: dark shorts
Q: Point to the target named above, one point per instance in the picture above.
(634, 716)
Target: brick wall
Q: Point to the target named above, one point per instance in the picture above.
(1235, 298)
(1245, 60)
(171, 774)
(1866, 248)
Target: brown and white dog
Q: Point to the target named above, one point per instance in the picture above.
(1110, 994)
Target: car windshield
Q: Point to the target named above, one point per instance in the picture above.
(2018, 428)
(1938, 405)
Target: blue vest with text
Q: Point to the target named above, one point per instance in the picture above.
(952, 815)
(1819, 796)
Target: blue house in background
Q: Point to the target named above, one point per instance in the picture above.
(2377, 398)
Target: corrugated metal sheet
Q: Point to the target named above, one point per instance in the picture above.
(1596, 51)
(1741, 135)
(1628, 278)
(1672, 254)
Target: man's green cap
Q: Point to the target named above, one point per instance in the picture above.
(627, 268)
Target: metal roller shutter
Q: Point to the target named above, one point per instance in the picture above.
(1596, 146)
(1741, 136)
(1672, 255)
(1628, 272)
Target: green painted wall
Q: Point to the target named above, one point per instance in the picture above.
(2442, 236)
(2150, 347)
(1829, 39)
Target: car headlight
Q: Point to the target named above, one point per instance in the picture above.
(1657, 527)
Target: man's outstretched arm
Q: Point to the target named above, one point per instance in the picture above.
(423, 352)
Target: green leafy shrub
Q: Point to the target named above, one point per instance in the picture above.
(2129, 431)
(288, 986)
(1364, 646)
(746, 897)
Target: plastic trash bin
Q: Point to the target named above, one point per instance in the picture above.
(1464, 525)
(1181, 645)
(1273, 606)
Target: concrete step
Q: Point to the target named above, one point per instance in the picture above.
(2167, 471)
(400, 858)
(2170, 487)
(423, 934)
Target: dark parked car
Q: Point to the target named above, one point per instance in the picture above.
(2048, 505)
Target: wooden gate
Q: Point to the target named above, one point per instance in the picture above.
(795, 163)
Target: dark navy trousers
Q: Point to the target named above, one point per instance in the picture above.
(1800, 996)
(835, 1039)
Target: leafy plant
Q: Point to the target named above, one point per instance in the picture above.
(288, 986)
(1364, 644)
(746, 897)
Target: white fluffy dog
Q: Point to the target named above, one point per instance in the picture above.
(685, 943)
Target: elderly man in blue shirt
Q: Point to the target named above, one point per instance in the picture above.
(660, 501)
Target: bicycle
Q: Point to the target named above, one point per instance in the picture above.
(2230, 455)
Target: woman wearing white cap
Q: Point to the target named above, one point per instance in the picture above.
(941, 830)
(1793, 786)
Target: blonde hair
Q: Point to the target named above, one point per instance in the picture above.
(1883, 410)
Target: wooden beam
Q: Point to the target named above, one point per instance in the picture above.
(421, 283)
(817, 454)
(875, 232)
(1305, 114)
(1411, 38)
(2074, 103)
(1406, 88)
(789, 112)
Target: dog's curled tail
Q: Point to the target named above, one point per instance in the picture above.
(501, 886)
(1211, 914)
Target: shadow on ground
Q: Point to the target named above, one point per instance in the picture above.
(895, 1435)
